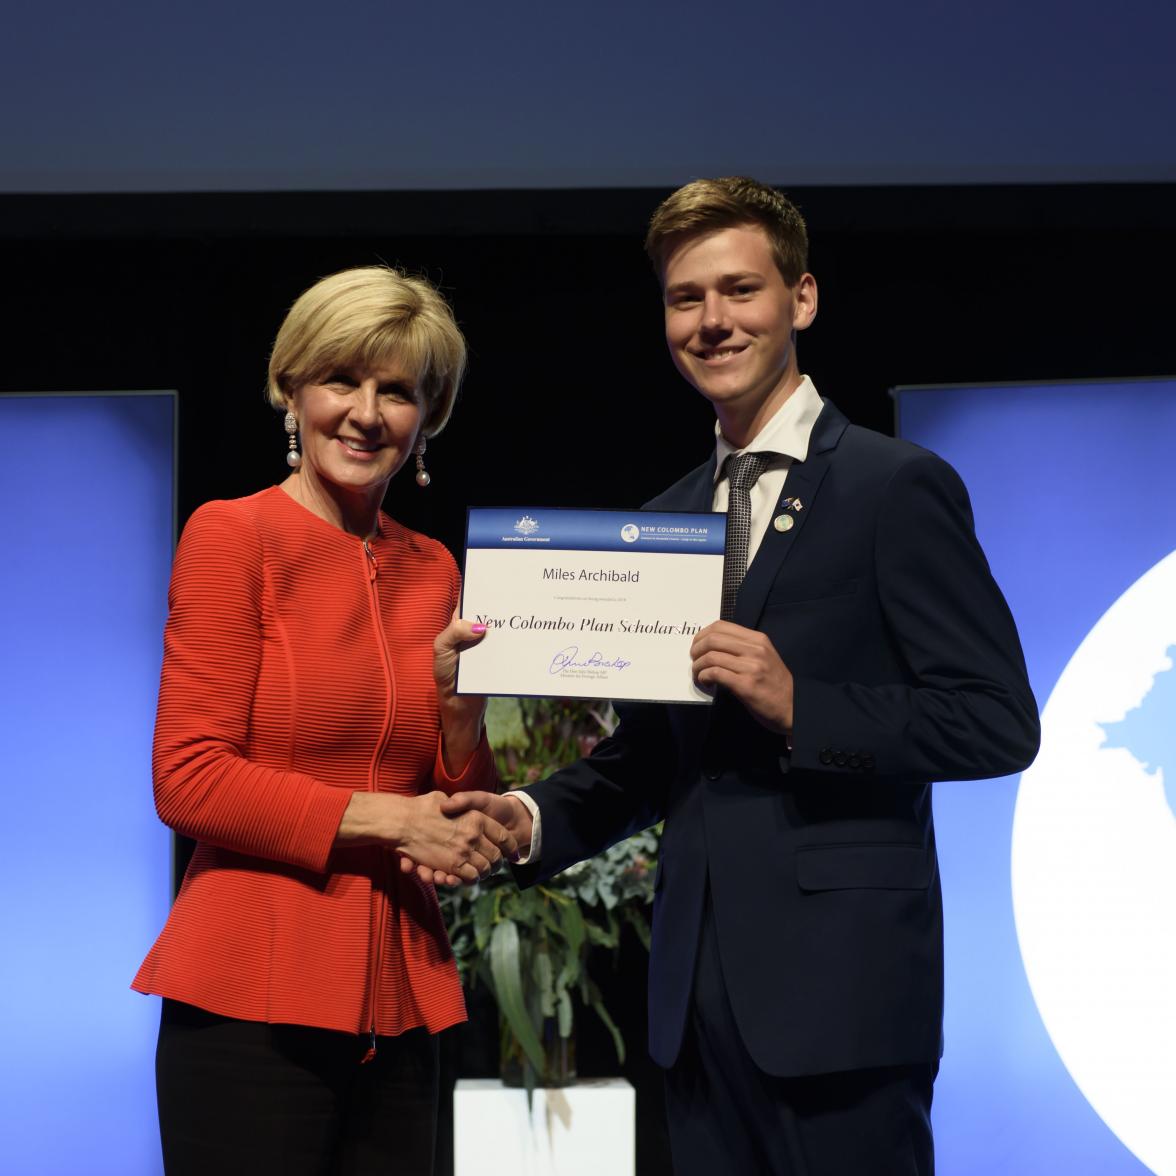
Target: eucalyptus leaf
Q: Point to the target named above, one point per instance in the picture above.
(506, 972)
(483, 918)
(565, 1015)
(544, 982)
(640, 925)
(572, 924)
(504, 724)
(569, 974)
(592, 998)
(602, 936)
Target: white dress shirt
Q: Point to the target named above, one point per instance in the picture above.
(787, 436)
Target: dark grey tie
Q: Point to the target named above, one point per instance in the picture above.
(742, 472)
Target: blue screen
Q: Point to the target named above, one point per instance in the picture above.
(1060, 885)
(86, 532)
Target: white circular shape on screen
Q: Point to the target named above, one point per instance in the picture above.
(630, 533)
(1094, 873)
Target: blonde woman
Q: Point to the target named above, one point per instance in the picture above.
(307, 734)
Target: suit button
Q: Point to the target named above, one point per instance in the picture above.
(867, 763)
(825, 755)
(711, 771)
(840, 758)
(855, 760)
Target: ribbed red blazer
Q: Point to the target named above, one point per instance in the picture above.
(297, 671)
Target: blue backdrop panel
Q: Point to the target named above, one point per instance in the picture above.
(86, 535)
(1059, 993)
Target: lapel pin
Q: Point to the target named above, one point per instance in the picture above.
(794, 504)
(783, 522)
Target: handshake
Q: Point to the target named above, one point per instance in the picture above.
(445, 840)
(478, 830)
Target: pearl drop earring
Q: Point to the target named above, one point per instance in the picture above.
(293, 457)
(422, 474)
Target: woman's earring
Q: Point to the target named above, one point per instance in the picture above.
(422, 474)
(293, 457)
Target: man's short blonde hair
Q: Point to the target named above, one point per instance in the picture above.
(365, 318)
(705, 206)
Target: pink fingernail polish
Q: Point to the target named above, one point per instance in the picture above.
(478, 628)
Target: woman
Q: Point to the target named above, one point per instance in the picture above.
(307, 734)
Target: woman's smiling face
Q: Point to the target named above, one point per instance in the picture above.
(358, 427)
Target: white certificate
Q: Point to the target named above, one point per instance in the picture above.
(589, 603)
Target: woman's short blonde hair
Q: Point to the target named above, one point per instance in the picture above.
(364, 318)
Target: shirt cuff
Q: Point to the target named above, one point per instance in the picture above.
(532, 854)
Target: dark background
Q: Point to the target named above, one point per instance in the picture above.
(570, 399)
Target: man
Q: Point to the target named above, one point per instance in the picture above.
(796, 973)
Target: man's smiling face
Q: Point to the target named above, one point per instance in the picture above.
(730, 318)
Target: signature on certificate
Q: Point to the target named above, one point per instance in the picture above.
(566, 660)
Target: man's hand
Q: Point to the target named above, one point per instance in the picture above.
(510, 813)
(746, 663)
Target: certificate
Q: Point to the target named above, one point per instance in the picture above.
(589, 603)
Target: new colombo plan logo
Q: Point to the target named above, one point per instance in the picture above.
(1094, 867)
(630, 533)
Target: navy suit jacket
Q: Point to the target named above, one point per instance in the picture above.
(820, 859)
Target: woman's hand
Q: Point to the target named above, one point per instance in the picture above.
(461, 715)
(461, 848)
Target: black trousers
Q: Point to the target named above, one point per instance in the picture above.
(251, 1098)
(726, 1115)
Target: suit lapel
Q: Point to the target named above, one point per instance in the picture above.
(803, 482)
(698, 494)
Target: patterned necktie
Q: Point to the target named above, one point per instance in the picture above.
(742, 472)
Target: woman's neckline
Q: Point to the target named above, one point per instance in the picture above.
(301, 507)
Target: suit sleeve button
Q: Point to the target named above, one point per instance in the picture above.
(825, 755)
(855, 760)
(840, 759)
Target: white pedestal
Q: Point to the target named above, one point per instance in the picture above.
(580, 1130)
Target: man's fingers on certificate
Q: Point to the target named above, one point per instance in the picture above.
(745, 662)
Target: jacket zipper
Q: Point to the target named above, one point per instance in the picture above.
(373, 568)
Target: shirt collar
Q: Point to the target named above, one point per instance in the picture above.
(787, 433)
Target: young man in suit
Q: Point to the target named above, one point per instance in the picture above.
(796, 973)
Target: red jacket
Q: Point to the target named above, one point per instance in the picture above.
(298, 670)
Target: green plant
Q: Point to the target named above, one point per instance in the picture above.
(531, 947)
